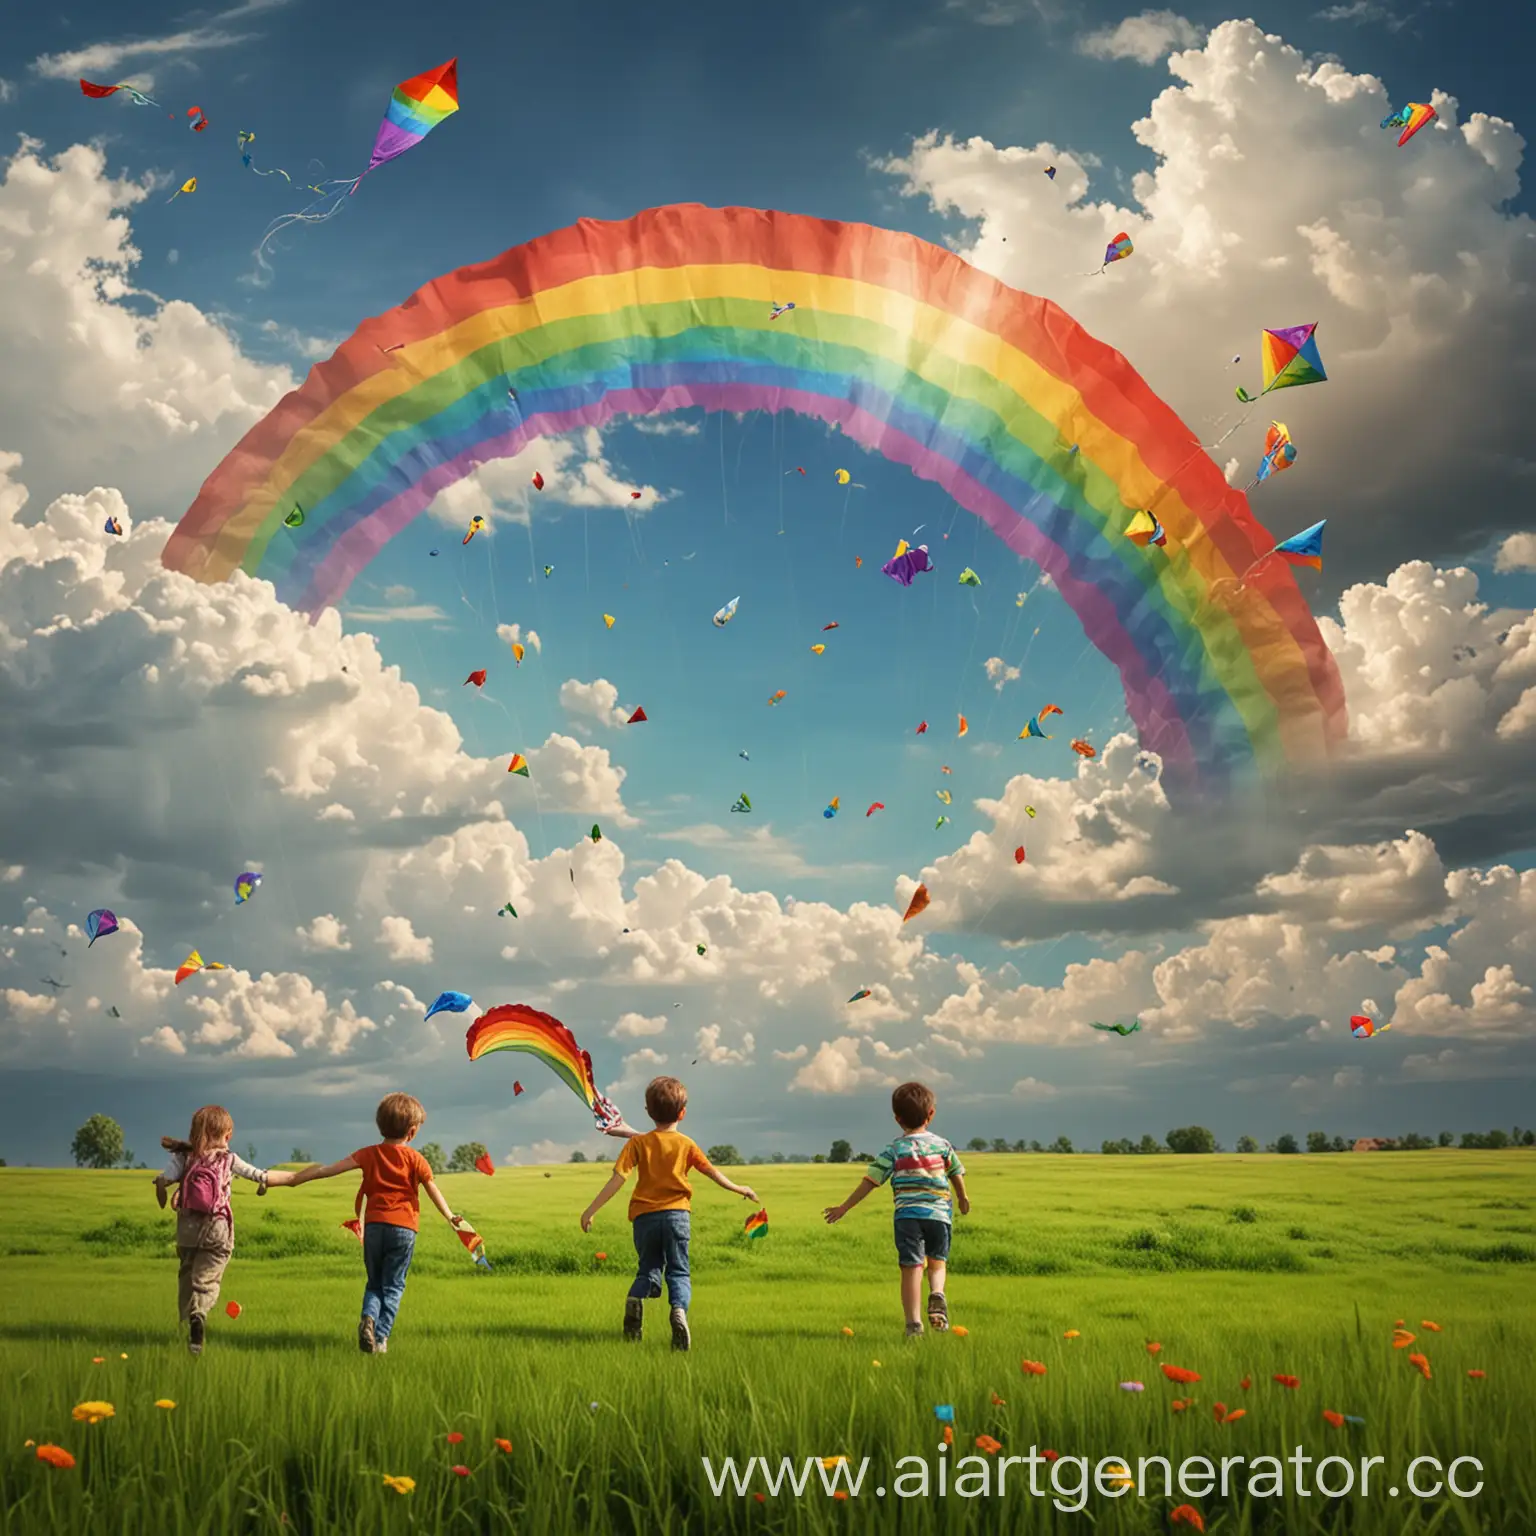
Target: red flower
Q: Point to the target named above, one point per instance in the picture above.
(1336, 1419)
(1235, 1415)
(1002, 1402)
(600, 1257)
(232, 1309)
(1220, 1411)
(1179, 1374)
(1287, 1381)
(1154, 1348)
(1050, 1455)
(1477, 1375)
(1246, 1382)
(1424, 1322)
(504, 1446)
(55, 1456)
(1420, 1363)
(762, 1498)
(1187, 1514)
(461, 1471)
(839, 1493)
(949, 1434)
(988, 1444)
(1032, 1367)
(453, 1437)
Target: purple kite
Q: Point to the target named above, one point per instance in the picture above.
(99, 924)
(906, 563)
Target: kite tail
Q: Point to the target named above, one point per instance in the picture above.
(326, 206)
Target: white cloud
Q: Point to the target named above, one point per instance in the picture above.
(632, 1026)
(1271, 179)
(666, 426)
(108, 58)
(399, 938)
(707, 1047)
(836, 1068)
(597, 700)
(999, 673)
(323, 933)
(1517, 553)
(399, 613)
(166, 1039)
(1146, 38)
(1032, 1089)
(291, 339)
(514, 634)
(7, 91)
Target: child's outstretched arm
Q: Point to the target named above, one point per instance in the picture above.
(160, 1184)
(962, 1200)
(278, 1177)
(435, 1195)
(744, 1190)
(623, 1130)
(604, 1195)
(319, 1171)
(835, 1213)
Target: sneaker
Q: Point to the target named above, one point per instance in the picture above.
(914, 1330)
(634, 1318)
(195, 1335)
(681, 1338)
(938, 1312)
(381, 1346)
(365, 1339)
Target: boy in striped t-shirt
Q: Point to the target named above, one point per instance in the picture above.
(920, 1167)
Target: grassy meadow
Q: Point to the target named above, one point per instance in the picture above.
(1238, 1266)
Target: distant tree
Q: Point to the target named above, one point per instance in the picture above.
(1317, 1141)
(1529, 1139)
(1338, 1144)
(724, 1155)
(999, 1143)
(1035, 1146)
(1021, 1145)
(976, 1144)
(842, 1151)
(1111, 1148)
(1191, 1138)
(1287, 1144)
(1473, 1141)
(599, 1157)
(778, 1157)
(1446, 1139)
(3, 1163)
(863, 1157)
(1413, 1142)
(756, 1158)
(299, 1155)
(433, 1152)
(250, 1153)
(1149, 1145)
(1247, 1144)
(820, 1157)
(578, 1156)
(98, 1143)
(1496, 1140)
(465, 1155)
(1062, 1144)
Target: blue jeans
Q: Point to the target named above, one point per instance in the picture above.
(387, 1256)
(661, 1241)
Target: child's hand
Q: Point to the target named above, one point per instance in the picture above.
(586, 1221)
(160, 1193)
(455, 1221)
(834, 1214)
(965, 1205)
(748, 1193)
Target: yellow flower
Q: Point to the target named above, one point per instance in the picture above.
(1071, 1333)
(400, 1484)
(833, 1461)
(94, 1413)
(875, 1363)
(847, 1333)
(122, 1357)
(1119, 1476)
(960, 1333)
(164, 1402)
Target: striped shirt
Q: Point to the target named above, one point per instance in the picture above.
(919, 1167)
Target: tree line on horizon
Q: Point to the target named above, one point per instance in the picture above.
(101, 1143)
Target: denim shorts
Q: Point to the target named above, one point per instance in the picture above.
(919, 1239)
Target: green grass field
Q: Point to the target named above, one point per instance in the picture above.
(1239, 1266)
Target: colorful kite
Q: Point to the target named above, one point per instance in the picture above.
(537, 481)
(1118, 1029)
(518, 652)
(1019, 854)
(476, 525)
(832, 808)
(451, 1002)
(295, 519)
(844, 478)
(965, 726)
(701, 949)
(517, 1088)
(723, 616)
(476, 677)
(113, 526)
(99, 924)
(549, 571)
(1220, 692)
(416, 108)
(782, 309)
(638, 718)
(1084, 749)
(969, 578)
(201, 121)
(517, 1027)
(826, 627)
(472, 1241)
(245, 886)
(1034, 728)
(507, 911)
(1363, 1027)
(1029, 811)
(1412, 117)
(743, 804)
(243, 142)
(1290, 358)
(940, 822)
(99, 92)
(777, 697)
(518, 765)
(1304, 548)
(193, 964)
(1117, 250)
(609, 621)
(1279, 453)
(860, 995)
(817, 650)
(944, 796)
(875, 805)
(189, 185)
(918, 904)
(1145, 529)
(486, 1164)
(1050, 171)
(596, 834)
(756, 1224)
(744, 755)
(906, 563)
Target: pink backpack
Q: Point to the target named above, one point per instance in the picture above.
(205, 1186)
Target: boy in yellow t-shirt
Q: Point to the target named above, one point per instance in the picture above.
(659, 1207)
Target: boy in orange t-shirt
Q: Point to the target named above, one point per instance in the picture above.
(659, 1206)
(392, 1170)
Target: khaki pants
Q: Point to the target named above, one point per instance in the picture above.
(204, 1245)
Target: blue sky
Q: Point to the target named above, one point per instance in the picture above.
(603, 110)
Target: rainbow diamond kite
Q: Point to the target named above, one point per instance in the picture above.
(1290, 357)
(417, 107)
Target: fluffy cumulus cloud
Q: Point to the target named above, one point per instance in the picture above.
(106, 383)
(1274, 198)
(597, 701)
(1146, 38)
